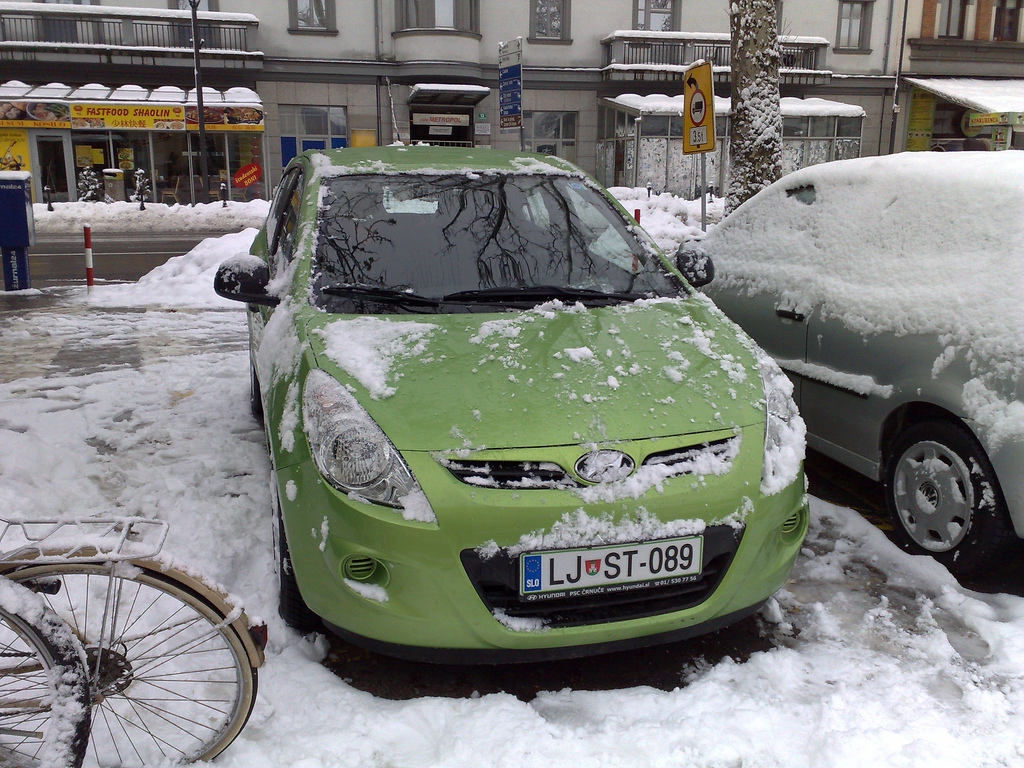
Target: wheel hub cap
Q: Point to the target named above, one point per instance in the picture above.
(934, 496)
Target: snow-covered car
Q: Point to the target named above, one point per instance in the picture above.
(891, 290)
(502, 426)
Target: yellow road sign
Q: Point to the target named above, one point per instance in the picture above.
(698, 110)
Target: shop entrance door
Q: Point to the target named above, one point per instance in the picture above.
(55, 166)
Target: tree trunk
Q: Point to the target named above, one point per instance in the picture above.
(755, 143)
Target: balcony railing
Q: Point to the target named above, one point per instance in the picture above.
(32, 28)
(646, 55)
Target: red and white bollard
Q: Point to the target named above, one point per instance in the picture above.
(636, 215)
(88, 256)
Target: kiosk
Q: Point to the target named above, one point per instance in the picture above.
(17, 228)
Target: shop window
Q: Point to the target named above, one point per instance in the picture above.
(549, 20)
(1007, 20)
(849, 127)
(551, 133)
(661, 126)
(854, 32)
(309, 127)
(459, 15)
(655, 15)
(951, 17)
(311, 16)
(245, 150)
(814, 127)
(172, 183)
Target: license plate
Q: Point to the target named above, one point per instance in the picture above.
(560, 573)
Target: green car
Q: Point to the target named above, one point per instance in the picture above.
(503, 425)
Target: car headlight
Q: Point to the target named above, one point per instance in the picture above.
(784, 430)
(353, 454)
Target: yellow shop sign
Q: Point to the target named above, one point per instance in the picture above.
(128, 117)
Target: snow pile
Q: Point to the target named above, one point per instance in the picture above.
(104, 218)
(184, 280)
(668, 219)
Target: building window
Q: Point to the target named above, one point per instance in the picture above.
(459, 15)
(655, 15)
(550, 133)
(308, 127)
(311, 16)
(549, 19)
(1007, 20)
(951, 16)
(854, 25)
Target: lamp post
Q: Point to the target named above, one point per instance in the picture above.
(204, 170)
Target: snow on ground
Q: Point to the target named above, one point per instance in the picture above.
(878, 659)
(69, 218)
(667, 218)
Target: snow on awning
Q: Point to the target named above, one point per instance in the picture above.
(660, 104)
(978, 95)
(15, 90)
(127, 107)
(447, 94)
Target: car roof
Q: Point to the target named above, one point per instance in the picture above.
(422, 158)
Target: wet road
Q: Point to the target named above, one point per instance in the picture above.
(60, 259)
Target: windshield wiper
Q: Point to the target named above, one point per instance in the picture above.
(533, 293)
(384, 295)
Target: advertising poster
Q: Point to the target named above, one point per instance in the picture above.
(919, 121)
(33, 114)
(14, 150)
(225, 118)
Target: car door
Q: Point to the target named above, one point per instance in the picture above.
(774, 322)
(282, 222)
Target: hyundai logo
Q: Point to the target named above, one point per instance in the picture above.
(604, 466)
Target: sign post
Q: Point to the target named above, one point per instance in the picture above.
(699, 124)
(510, 87)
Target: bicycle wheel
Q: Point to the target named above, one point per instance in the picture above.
(171, 678)
(44, 690)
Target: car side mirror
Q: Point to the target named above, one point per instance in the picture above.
(696, 266)
(245, 278)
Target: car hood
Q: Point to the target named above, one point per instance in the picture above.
(552, 375)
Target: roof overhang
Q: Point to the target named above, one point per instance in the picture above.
(1004, 95)
(658, 104)
(443, 94)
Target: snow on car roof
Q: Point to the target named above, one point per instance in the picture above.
(435, 160)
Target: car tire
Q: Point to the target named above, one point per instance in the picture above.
(944, 499)
(255, 398)
(291, 606)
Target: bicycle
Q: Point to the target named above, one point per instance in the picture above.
(171, 662)
(44, 688)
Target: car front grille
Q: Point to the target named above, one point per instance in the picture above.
(528, 475)
(496, 580)
(696, 459)
(510, 475)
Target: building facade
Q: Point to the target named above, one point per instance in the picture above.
(289, 75)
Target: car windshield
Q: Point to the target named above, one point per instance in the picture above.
(475, 242)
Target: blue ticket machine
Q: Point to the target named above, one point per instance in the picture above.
(17, 228)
